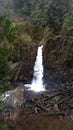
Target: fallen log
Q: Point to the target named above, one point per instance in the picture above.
(56, 114)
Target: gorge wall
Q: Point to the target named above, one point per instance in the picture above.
(58, 59)
(23, 67)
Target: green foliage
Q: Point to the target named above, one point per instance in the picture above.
(4, 72)
(4, 68)
(6, 8)
(68, 22)
(56, 14)
(6, 36)
(55, 18)
(44, 13)
(3, 126)
(7, 31)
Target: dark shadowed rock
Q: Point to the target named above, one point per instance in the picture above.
(23, 69)
(58, 60)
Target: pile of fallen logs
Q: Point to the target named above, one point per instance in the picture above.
(59, 102)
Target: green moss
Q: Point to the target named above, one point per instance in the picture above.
(3, 126)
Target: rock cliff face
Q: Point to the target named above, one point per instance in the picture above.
(23, 68)
(58, 59)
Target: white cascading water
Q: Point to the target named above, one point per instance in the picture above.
(37, 82)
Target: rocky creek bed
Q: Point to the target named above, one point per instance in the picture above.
(22, 102)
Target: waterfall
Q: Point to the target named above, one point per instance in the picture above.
(37, 81)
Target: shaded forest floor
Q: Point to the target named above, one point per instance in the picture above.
(40, 122)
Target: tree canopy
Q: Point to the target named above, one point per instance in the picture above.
(43, 13)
